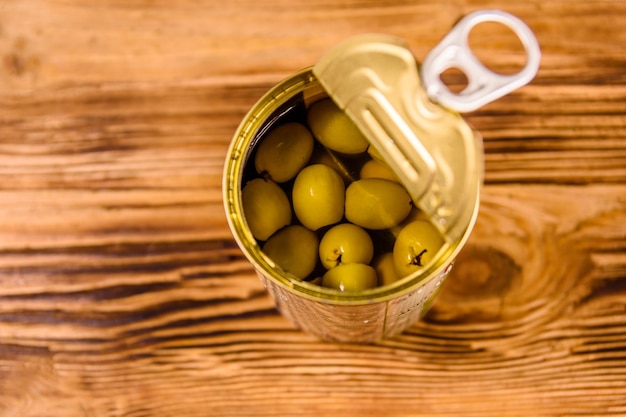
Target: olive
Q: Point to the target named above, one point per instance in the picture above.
(266, 207)
(294, 249)
(345, 243)
(350, 277)
(416, 246)
(334, 129)
(318, 196)
(376, 203)
(284, 152)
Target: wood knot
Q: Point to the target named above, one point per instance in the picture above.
(482, 276)
(483, 272)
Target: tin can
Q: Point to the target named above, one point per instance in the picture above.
(412, 122)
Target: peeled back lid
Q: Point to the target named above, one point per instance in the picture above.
(375, 79)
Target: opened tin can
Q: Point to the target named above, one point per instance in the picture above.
(412, 120)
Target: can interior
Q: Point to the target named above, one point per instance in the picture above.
(288, 102)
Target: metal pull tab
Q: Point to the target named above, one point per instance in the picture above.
(484, 85)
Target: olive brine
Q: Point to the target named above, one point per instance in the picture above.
(325, 207)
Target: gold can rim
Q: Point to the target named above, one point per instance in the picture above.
(247, 132)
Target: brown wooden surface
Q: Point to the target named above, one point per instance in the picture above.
(122, 292)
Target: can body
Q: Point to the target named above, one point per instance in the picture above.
(362, 317)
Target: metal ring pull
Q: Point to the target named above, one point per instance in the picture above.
(484, 85)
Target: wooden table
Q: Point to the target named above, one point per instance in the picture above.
(122, 292)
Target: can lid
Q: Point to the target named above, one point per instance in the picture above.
(415, 126)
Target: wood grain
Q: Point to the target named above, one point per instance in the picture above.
(123, 293)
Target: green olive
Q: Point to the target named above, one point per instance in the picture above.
(284, 152)
(294, 249)
(385, 269)
(350, 277)
(377, 169)
(265, 207)
(375, 203)
(345, 243)
(318, 196)
(334, 129)
(416, 246)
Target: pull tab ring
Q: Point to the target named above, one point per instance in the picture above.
(484, 85)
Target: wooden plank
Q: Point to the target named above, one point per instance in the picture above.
(123, 293)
